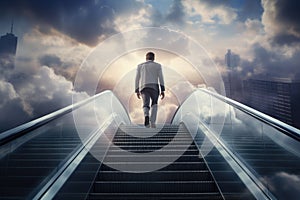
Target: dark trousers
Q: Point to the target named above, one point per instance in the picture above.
(149, 94)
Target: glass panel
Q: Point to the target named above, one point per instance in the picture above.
(279, 164)
(271, 156)
(33, 159)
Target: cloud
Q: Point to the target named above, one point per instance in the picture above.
(243, 10)
(250, 10)
(50, 60)
(176, 13)
(57, 32)
(6, 65)
(11, 103)
(87, 21)
(60, 67)
(32, 95)
(174, 16)
(7, 90)
(268, 63)
(47, 92)
(211, 12)
(284, 185)
(280, 19)
(268, 47)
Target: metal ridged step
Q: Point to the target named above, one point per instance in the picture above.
(154, 196)
(28, 167)
(186, 178)
(228, 181)
(264, 155)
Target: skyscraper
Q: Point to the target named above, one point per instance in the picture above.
(232, 83)
(8, 43)
(8, 49)
(276, 97)
(231, 59)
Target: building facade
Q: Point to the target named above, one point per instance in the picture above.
(8, 44)
(278, 98)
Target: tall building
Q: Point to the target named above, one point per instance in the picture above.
(231, 59)
(8, 49)
(232, 83)
(8, 43)
(278, 98)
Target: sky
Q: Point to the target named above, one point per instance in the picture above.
(56, 37)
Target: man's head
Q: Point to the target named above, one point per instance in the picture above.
(150, 56)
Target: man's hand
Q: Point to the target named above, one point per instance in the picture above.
(138, 95)
(162, 94)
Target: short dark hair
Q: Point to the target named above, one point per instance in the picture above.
(150, 56)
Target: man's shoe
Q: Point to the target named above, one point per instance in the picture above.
(146, 121)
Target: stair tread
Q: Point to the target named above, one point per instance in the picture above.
(187, 175)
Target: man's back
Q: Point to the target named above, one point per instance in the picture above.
(149, 73)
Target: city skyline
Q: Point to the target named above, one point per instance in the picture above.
(54, 38)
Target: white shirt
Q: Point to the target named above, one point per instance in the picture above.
(149, 75)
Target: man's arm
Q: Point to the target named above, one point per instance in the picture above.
(137, 82)
(162, 83)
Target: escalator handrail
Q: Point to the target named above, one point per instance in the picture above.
(179, 107)
(254, 184)
(58, 180)
(279, 125)
(18, 131)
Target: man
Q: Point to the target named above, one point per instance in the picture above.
(148, 78)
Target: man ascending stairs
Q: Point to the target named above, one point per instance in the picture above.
(146, 85)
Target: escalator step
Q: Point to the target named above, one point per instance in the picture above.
(155, 186)
(155, 196)
(185, 177)
(156, 176)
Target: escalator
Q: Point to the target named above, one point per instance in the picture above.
(250, 158)
(123, 176)
(32, 164)
(186, 178)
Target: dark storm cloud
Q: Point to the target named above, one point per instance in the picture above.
(287, 16)
(285, 38)
(83, 20)
(288, 12)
